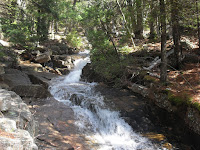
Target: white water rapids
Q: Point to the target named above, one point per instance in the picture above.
(103, 127)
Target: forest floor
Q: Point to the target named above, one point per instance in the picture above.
(184, 84)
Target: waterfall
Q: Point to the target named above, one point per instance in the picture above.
(104, 128)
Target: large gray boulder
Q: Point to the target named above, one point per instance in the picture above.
(14, 138)
(17, 125)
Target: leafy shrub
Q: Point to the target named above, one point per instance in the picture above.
(125, 50)
(73, 39)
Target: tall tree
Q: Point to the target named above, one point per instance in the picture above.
(152, 19)
(176, 32)
(139, 26)
(198, 26)
(163, 68)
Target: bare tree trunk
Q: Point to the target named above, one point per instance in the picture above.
(198, 26)
(163, 69)
(152, 20)
(176, 34)
(139, 27)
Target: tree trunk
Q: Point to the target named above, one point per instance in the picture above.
(152, 20)
(139, 27)
(176, 34)
(163, 69)
(198, 26)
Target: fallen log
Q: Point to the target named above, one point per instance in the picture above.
(157, 61)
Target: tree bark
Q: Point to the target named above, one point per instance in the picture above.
(152, 20)
(198, 26)
(139, 27)
(163, 69)
(176, 33)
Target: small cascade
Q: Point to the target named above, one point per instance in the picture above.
(104, 128)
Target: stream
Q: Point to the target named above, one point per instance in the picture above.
(103, 127)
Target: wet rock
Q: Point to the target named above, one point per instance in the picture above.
(33, 90)
(57, 129)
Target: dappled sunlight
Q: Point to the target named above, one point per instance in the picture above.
(186, 81)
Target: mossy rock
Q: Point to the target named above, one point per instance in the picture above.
(180, 99)
(196, 105)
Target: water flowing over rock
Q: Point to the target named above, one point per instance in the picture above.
(104, 128)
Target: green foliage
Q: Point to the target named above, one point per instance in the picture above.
(2, 54)
(74, 39)
(125, 49)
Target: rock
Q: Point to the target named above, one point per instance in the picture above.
(55, 49)
(18, 111)
(41, 78)
(34, 90)
(8, 58)
(43, 58)
(14, 77)
(7, 125)
(14, 138)
(5, 102)
(14, 123)
(31, 67)
(26, 55)
(64, 71)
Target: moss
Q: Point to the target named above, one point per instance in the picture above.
(181, 99)
(196, 105)
(143, 73)
(149, 78)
